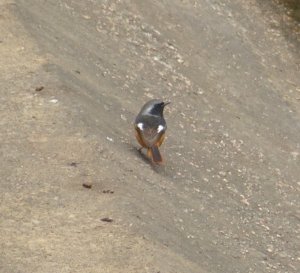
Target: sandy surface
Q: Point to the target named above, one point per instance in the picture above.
(73, 75)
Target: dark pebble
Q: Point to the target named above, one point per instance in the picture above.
(39, 88)
(87, 185)
(106, 219)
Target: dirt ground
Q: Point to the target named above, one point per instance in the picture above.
(73, 75)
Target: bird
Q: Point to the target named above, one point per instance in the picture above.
(150, 127)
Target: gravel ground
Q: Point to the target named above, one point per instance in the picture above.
(76, 196)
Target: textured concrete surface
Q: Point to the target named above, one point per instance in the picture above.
(73, 75)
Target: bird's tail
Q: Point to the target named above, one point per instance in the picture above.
(154, 153)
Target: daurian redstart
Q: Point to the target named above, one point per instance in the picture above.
(150, 127)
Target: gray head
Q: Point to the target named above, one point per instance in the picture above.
(154, 107)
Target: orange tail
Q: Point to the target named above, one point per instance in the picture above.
(154, 153)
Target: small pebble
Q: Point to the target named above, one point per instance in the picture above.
(87, 185)
(39, 88)
(54, 100)
(73, 164)
(108, 191)
(110, 139)
(107, 219)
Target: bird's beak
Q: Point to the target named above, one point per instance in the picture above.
(166, 103)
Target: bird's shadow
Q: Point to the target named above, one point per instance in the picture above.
(156, 167)
(139, 152)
